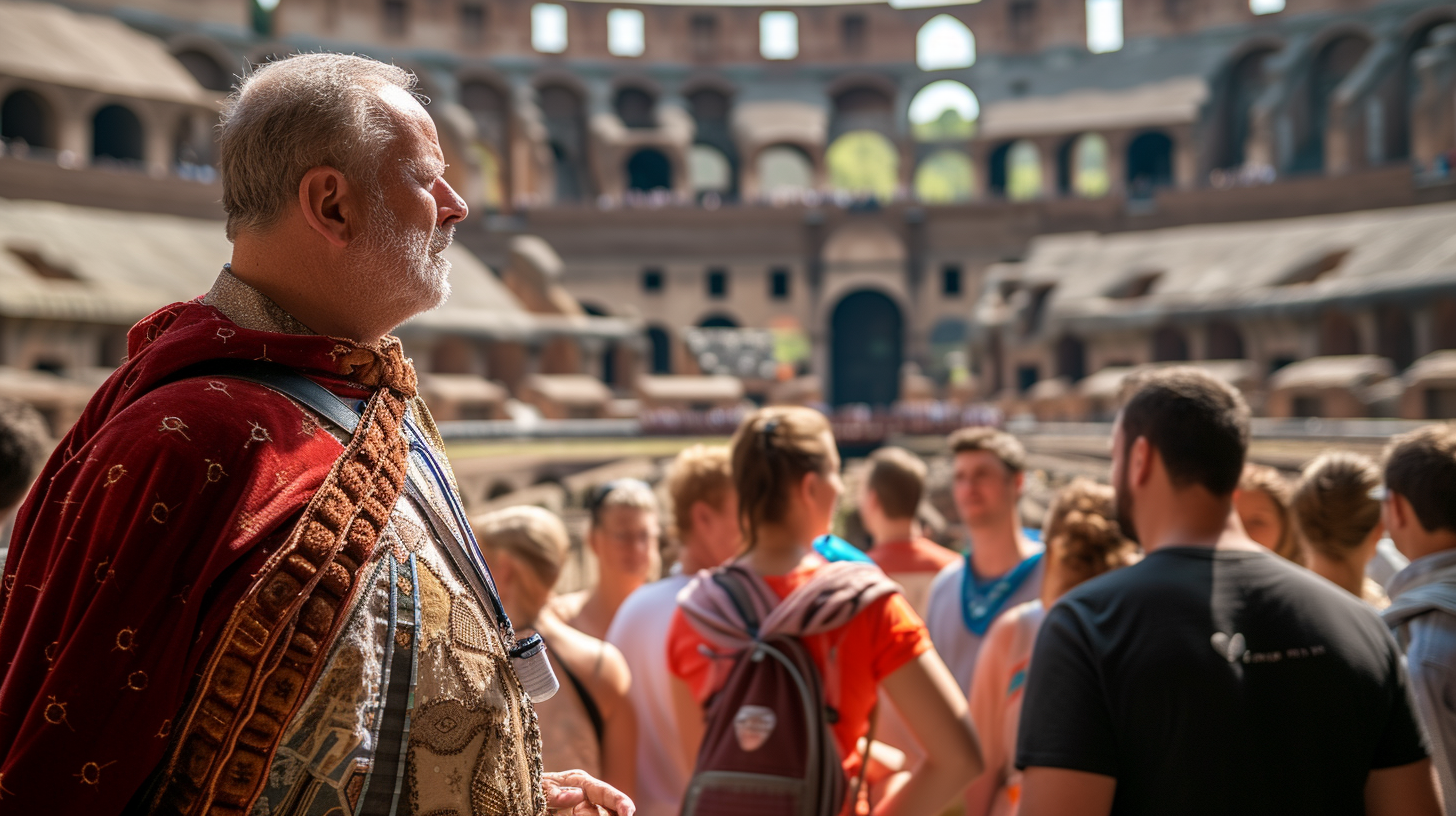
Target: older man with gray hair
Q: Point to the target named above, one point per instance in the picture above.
(244, 582)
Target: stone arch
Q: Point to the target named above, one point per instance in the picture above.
(1082, 166)
(1332, 64)
(784, 169)
(562, 111)
(1401, 87)
(1023, 171)
(943, 111)
(863, 162)
(866, 339)
(636, 106)
(862, 106)
(996, 169)
(945, 177)
(709, 170)
(1244, 81)
(649, 169)
(26, 116)
(944, 43)
(1149, 163)
(208, 72)
(117, 135)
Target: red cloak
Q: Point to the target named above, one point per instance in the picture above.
(145, 530)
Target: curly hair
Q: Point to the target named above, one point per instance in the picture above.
(1082, 533)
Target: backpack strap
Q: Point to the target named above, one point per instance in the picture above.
(739, 593)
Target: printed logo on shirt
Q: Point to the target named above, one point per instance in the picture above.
(1234, 649)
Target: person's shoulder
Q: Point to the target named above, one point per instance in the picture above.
(652, 600)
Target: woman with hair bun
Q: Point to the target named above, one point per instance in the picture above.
(1083, 541)
(786, 471)
(1339, 521)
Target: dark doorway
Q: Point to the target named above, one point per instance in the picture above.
(996, 178)
(1169, 345)
(117, 134)
(23, 117)
(1149, 164)
(661, 349)
(1395, 336)
(1224, 341)
(718, 321)
(1071, 358)
(866, 336)
(1443, 324)
(649, 170)
(566, 130)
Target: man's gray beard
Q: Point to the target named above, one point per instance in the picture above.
(388, 249)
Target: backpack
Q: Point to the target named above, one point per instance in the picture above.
(768, 749)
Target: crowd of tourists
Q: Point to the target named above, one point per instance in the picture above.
(1203, 635)
(245, 582)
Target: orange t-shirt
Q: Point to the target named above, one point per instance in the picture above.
(882, 638)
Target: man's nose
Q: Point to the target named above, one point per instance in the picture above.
(452, 208)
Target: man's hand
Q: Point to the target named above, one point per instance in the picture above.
(578, 793)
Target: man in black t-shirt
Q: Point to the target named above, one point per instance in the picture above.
(1213, 677)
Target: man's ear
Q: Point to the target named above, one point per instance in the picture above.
(1397, 512)
(701, 515)
(329, 205)
(1018, 479)
(1140, 461)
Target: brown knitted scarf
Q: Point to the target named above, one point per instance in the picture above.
(272, 649)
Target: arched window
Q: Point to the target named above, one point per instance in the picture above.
(649, 170)
(548, 28)
(488, 108)
(778, 35)
(25, 117)
(944, 43)
(635, 107)
(117, 135)
(862, 108)
(709, 170)
(1169, 345)
(566, 133)
(206, 70)
(1089, 176)
(784, 170)
(945, 177)
(1331, 67)
(1149, 164)
(1023, 171)
(863, 163)
(1246, 82)
(1395, 335)
(944, 111)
